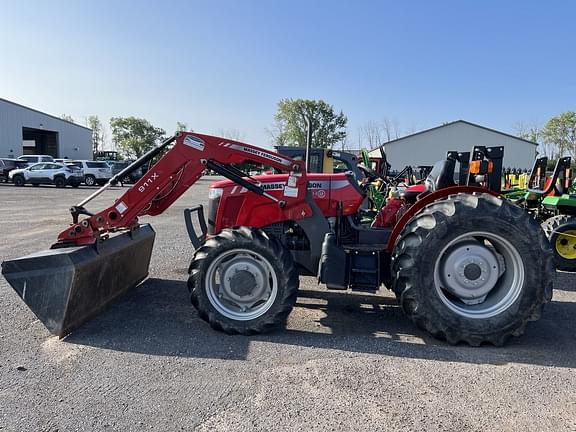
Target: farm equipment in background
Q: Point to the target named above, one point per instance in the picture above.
(383, 183)
(484, 170)
(464, 264)
(324, 160)
(553, 201)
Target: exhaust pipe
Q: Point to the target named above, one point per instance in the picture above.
(65, 287)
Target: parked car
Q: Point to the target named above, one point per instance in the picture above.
(95, 172)
(133, 177)
(47, 173)
(7, 165)
(33, 159)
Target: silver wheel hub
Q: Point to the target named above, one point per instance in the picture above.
(241, 284)
(243, 281)
(469, 271)
(479, 274)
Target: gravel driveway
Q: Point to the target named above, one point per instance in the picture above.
(345, 362)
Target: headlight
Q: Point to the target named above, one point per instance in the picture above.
(214, 193)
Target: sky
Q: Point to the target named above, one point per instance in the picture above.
(224, 65)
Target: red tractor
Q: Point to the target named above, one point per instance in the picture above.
(465, 265)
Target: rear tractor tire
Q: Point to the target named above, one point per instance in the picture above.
(561, 231)
(473, 268)
(243, 282)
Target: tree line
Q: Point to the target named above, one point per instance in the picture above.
(557, 137)
(134, 136)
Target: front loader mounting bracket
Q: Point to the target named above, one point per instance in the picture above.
(76, 211)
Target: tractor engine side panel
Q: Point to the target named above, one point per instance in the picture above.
(237, 206)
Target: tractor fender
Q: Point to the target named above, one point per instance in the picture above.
(423, 202)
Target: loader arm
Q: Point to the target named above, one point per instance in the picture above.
(177, 170)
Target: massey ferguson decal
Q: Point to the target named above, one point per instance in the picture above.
(318, 188)
(194, 142)
(259, 153)
(272, 186)
(318, 185)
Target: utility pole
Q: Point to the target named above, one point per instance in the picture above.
(308, 141)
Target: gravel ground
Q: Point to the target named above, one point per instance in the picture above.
(345, 362)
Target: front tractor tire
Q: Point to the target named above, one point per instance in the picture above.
(561, 231)
(243, 282)
(473, 268)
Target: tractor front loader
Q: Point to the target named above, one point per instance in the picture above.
(101, 255)
(465, 265)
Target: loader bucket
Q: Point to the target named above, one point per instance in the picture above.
(67, 286)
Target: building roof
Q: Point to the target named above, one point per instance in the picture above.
(454, 122)
(43, 113)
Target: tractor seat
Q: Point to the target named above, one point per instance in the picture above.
(410, 194)
(441, 176)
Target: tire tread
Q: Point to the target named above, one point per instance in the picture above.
(288, 277)
(406, 255)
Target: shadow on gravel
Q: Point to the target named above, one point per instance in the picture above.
(49, 186)
(565, 281)
(157, 319)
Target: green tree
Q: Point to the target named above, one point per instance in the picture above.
(134, 136)
(94, 123)
(560, 131)
(67, 118)
(181, 127)
(289, 128)
(532, 132)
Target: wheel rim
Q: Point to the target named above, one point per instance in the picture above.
(479, 275)
(566, 244)
(241, 284)
(89, 181)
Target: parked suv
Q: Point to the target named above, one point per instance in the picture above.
(95, 172)
(32, 159)
(7, 165)
(47, 173)
(134, 175)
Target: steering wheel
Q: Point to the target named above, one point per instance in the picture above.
(369, 173)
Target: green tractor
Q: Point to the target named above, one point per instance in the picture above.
(552, 201)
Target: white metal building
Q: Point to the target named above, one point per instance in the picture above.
(25, 130)
(429, 146)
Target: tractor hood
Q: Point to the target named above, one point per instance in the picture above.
(233, 205)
